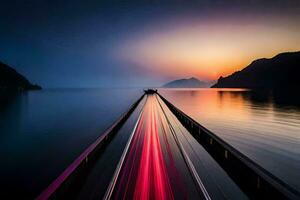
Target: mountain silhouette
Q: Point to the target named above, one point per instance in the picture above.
(281, 71)
(10, 79)
(186, 83)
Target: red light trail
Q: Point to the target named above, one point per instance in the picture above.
(152, 181)
(151, 166)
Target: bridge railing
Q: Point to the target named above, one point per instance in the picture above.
(69, 181)
(254, 180)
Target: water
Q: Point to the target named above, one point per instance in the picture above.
(42, 132)
(101, 174)
(264, 126)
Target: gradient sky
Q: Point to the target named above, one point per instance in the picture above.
(141, 43)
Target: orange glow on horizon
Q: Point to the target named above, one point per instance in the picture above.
(209, 50)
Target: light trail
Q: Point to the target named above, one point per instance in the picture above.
(153, 164)
(186, 158)
(152, 181)
(113, 182)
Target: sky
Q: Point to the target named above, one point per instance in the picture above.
(141, 43)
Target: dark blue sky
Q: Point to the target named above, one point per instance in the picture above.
(72, 43)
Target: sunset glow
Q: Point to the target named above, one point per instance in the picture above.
(150, 100)
(209, 49)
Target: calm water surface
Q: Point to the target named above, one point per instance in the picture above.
(42, 132)
(264, 126)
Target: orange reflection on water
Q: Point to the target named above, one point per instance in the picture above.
(264, 126)
(210, 103)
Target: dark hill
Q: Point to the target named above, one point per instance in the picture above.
(10, 79)
(186, 83)
(281, 71)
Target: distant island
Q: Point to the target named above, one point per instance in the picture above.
(281, 71)
(187, 83)
(10, 79)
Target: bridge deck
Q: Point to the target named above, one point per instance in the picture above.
(154, 164)
(252, 179)
(167, 156)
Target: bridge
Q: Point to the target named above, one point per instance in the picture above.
(162, 160)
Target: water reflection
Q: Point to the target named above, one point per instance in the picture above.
(11, 110)
(263, 125)
(42, 132)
